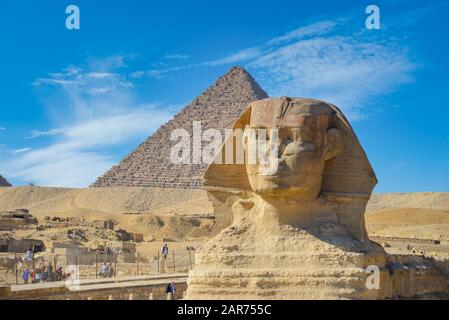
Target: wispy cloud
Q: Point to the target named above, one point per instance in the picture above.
(331, 59)
(23, 150)
(239, 56)
(159, 73)
(344, 70)
(39, 133)
(94, 111)
(313, 29)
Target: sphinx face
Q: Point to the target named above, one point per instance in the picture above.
(295, 165)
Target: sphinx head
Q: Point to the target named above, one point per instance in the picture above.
(301, 137)
(318, 157)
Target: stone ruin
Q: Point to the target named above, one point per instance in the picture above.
(297, 231)
(17, 219)
(4, 183)
(8, 244)
(218, 107)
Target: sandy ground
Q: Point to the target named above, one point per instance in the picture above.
(100, 201)
(185, 215)
(409, 223)
(424, 200)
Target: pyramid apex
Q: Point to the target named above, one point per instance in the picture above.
(235, 70)
(238, 81)
(238, 68)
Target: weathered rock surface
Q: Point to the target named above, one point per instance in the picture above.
(218, 108)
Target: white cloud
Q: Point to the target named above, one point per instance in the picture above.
(99, 75)
(94, 111)
(23, 150)
(39, 133)
(345, 70)
(239, 56)
(314, 29)
(159, 73)
(328, 59)
(80, 154)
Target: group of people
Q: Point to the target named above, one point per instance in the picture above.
(42, 274)
(106, 270)
(46, 273)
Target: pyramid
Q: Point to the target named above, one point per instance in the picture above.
(4, 183)
(218, 107)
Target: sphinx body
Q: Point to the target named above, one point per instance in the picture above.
(293, 226)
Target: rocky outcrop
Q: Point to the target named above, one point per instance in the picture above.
(218, 108)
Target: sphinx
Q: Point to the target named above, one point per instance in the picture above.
(297, 231)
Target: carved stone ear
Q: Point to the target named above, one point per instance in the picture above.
(334, 143)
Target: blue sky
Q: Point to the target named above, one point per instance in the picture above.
(73, 103)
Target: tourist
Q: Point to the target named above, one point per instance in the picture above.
(33, 276)
(164, 251)
(28, 256)
(44, 275)
(171, 288)
(59, 275)
(38, 275)
(26, 276)
(103, 270)
(111, 271)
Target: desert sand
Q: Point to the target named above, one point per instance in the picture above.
(141, 210)
(104, 201)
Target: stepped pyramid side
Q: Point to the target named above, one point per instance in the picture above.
(218, 107)
(4, 183)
